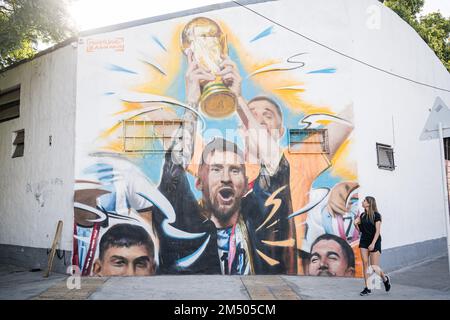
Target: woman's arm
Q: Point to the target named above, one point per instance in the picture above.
(356, 223)
(377, 234)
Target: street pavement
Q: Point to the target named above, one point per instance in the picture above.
(429, 280)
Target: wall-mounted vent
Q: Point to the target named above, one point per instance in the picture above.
(385, 157)
(308, 141)
(149, 136)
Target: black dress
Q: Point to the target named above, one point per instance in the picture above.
(368, 231)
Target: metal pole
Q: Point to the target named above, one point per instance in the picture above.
(445, 189)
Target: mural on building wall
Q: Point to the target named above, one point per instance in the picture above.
(199, 152)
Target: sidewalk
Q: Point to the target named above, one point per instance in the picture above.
(427, 280)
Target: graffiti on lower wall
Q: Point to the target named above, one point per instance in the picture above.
(207, 148)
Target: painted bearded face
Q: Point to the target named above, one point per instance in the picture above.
(223, 183)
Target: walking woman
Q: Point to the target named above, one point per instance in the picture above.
(369, 224)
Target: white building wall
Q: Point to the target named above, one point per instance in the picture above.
(36, 190)
(387, 109)
(394, 111)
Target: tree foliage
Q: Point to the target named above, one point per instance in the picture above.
(433, 27)
(24, 23)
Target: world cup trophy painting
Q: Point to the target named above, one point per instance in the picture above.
(208, 44)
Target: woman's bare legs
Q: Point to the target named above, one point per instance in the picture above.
(375, 264)
(365, 261)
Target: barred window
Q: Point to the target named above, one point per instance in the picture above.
(9, 104)
(308, 141)
(150, 136)
(385, 157)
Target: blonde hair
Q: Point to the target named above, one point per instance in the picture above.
(372, 208)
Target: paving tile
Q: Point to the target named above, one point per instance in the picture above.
(269, 288)
(60, 291)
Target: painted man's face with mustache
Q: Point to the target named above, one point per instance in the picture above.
(328, 259)
(223, 184)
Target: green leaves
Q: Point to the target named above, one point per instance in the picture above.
(435, 30)
(23, 23)
(433, 27)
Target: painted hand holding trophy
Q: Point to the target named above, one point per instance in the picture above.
(208, 44)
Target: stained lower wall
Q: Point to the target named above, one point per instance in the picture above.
(391, 259)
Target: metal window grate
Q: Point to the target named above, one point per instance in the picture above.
(149, 136)
(9, 104)
(308, 141)
(385, 157)
(18, 143)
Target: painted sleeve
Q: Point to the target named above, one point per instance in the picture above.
(175, 187)
(182, 147)
(273, 192)
(140, 185)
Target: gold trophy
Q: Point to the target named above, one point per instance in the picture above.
(208, 44)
